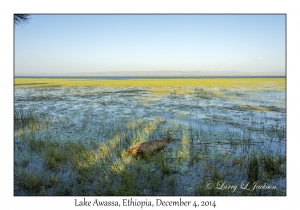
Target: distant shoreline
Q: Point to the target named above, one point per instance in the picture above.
(147, 77)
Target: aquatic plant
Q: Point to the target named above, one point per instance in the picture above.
(73, 135)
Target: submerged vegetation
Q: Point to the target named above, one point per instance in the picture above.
(71, 136)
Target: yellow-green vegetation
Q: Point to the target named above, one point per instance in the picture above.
(258, 83)
(163, 87)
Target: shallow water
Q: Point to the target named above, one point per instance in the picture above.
(96, 104)
(203, 129)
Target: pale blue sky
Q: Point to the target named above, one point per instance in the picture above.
(74, 44)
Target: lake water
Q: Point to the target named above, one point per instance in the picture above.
(206, 129)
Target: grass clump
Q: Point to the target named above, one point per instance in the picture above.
(36, 144)
(54, 157)
(205, 93)
(28, 119)
(272, 166)
(253, 169)
(165, 168)
(104, 150)
(128, 185)
(171, 185)
(30, 181)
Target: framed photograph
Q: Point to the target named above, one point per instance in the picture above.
(149, 105)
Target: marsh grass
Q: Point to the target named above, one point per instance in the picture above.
(28, 119)
(253, 169)
(272, 165)
(54, 157)
(163, 164)
(82, 150)
(236, 83)
(31, 181)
